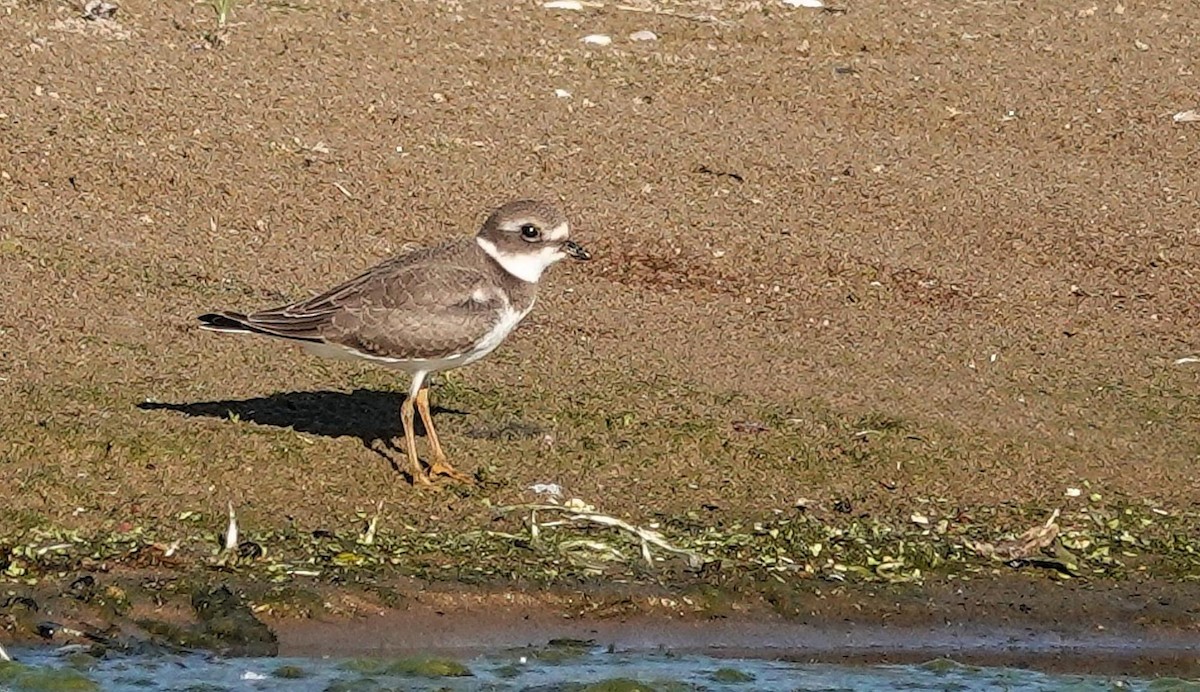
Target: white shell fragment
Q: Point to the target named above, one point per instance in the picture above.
(597, 39)
(643, 35)
(562, 93)
(815, 4)
(99, 9)
(563, 5)
(1191, 116)
(547, 489)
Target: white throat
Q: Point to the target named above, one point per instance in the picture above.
(526, 266)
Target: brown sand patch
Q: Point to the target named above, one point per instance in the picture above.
(975, 219)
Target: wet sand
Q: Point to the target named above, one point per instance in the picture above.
(1114, 629)
(1019, 620)
(467, 634)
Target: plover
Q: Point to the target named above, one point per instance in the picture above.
(428, 310)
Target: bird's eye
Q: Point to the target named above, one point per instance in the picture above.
(530, 232)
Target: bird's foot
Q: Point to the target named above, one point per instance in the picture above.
(442, 468)
(422, 480)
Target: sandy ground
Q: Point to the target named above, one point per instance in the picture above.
(858, 260)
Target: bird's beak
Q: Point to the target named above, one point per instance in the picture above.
(575, 250)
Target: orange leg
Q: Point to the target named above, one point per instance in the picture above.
(419, 477)
(439, 467)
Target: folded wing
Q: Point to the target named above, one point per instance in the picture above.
(394, 310)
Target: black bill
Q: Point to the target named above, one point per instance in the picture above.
(575, 250)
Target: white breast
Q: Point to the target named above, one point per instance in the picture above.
(509, 319)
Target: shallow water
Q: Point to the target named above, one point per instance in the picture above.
(583, 670)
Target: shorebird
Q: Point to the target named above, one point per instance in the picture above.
(427, 310)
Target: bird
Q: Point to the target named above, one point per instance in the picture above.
(427, 310)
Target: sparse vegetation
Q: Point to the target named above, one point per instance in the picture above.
(1109, 539)
(223, 9)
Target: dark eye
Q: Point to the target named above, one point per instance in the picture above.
(530, 232)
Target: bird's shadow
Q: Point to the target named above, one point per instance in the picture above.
(369, 415)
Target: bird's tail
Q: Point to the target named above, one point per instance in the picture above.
(238, 323)
(232, 322)
(260, 323)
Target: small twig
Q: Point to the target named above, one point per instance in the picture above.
(1022, 547)
(304, 572)
(595, 546)
(705, 18)
(368, 537)
(341, 188)
(647, 537)
(231, 532)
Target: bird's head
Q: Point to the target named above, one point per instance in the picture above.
(526, 237)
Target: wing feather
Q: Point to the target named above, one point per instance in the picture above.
(399, 308)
